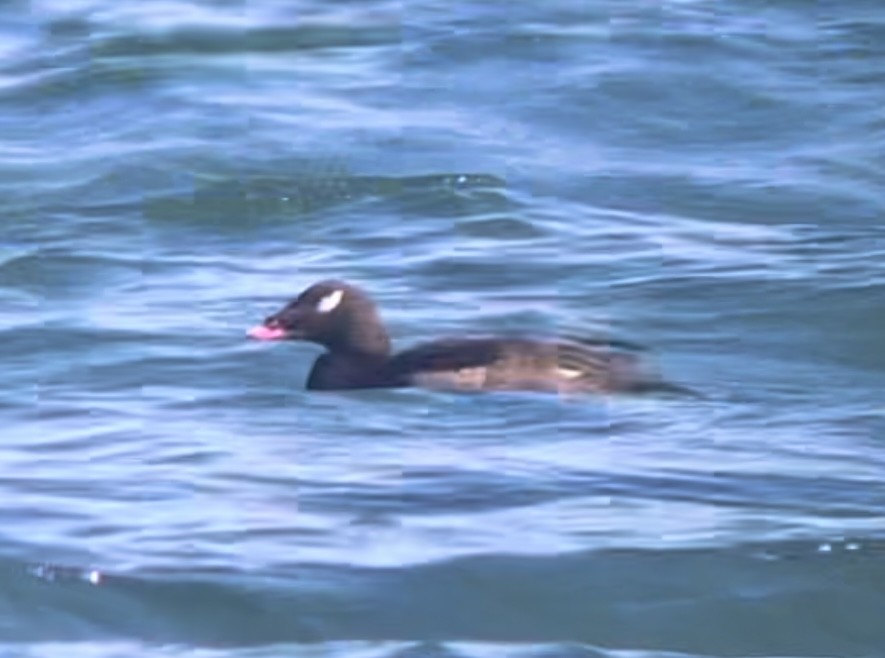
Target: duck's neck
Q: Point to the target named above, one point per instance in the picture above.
(372, 341)
(343, 370)
(367, 341)
(366, 336)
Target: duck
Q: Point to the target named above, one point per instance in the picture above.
(343, 318)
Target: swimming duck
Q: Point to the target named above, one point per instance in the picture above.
(343, 318)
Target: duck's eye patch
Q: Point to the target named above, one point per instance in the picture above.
(330, 301)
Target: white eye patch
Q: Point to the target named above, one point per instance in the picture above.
(330, 302)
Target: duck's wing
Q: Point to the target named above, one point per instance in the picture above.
(587, 357)
(512, 363)
(457, 353)
(605, 343)
(448, 355)
(590, 359)
(524, 364)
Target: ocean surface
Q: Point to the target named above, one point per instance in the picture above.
(704, 178)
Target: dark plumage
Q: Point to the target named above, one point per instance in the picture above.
(343, 319)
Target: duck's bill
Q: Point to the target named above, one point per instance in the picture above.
(262, 332)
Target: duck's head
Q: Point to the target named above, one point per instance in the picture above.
(332, 313)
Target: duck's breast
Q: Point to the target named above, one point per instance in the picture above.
(338, 372)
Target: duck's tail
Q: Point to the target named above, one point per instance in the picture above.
(659, 386)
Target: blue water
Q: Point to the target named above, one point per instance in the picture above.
(705, 178)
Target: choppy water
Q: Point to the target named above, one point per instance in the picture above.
(703, 177)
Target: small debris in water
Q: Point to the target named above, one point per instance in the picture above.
(52, 573)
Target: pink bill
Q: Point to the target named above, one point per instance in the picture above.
(261, 332)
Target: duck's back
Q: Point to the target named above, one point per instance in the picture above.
(517, 364)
